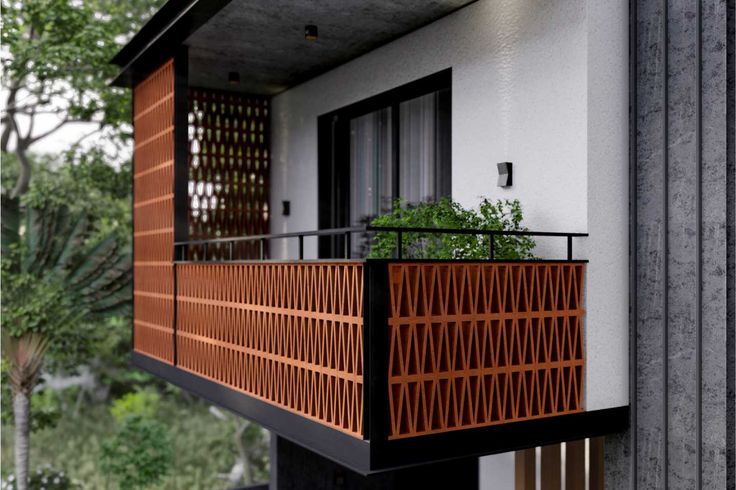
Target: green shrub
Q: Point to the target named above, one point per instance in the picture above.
(139, 454)
(144, 403)
(445, 213)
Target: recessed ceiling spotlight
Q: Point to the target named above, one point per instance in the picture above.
(233, 78)
(310, 32)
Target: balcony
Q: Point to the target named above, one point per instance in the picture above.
(374, 363)
(361, 360)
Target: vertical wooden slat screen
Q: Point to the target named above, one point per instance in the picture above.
(551, 467)
(153, 214)
(575, 465)
(596, 478)
(290, 334)
(228, 170)
(583, 466)
(479, 344)
(525, 469)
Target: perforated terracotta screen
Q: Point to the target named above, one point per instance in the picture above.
(228, 169)
(289, 334)
(153, 201)
(473, 345)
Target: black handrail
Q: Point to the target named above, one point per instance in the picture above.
(348, 231)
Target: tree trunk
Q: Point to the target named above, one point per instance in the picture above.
(22, 415)
(24, 176)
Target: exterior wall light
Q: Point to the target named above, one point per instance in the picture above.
(505, 174)
(233, 78)
(310, 32)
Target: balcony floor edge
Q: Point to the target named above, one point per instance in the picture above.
(367, 457)
(330, 443)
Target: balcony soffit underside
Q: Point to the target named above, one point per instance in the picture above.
(263, 40)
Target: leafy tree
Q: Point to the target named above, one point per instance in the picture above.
(62, 270)
(445, 213)
(56, 65)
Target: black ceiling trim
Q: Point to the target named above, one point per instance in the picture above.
(160, 38)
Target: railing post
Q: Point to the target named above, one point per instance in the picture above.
(569, 247)
(262, 248)
(175, 313)
(347, 244)
(491, 248)
(231, 250)
(398, 245)
(205, 251)
(301, 247)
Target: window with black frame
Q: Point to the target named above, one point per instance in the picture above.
(396, 145)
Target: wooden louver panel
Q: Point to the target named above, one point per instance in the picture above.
(228, 170)
(290, 334)
(153, 203)
(474, 344)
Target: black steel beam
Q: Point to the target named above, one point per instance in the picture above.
(382, 455)
(161, 38)
(497, 438)
(343, 449)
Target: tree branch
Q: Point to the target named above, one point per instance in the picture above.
(8, 119)
(31, 140)
(85, 136)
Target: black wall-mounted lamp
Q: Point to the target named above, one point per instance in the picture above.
(285, 208)
(233, 78)
(310, 32)
(505, 174)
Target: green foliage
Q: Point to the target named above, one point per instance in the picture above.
(139, 454)
(46, 407)
(500, 215)
(44, 478)
(203, 444)
(45, 410)
(66, 256)
(57, 52)
(142, 403)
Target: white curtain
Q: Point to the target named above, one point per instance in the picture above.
(424, 156)
(418, 156)
(370, 165)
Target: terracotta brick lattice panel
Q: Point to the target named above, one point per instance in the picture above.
(473, 345)
(228, 170)
(153, 234)
(290, 334)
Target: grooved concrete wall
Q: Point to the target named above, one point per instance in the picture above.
(683, 208)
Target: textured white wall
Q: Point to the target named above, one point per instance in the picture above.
(541, 84)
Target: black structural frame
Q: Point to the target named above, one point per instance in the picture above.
(376, 452)
(161, 37)
(333, 150)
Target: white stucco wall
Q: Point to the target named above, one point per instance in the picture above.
(540, 84)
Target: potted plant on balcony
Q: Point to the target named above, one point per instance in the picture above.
(501, 215)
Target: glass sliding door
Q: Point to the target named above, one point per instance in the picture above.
(371, 166)
(424, 148)
(396, 145)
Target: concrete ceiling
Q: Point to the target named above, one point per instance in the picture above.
(264, 41)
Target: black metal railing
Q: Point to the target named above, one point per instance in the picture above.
(182, 249)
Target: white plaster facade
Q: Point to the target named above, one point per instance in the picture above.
(541, 84)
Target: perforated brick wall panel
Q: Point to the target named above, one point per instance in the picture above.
(473, 345)
(153, 203)
(290, 334)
